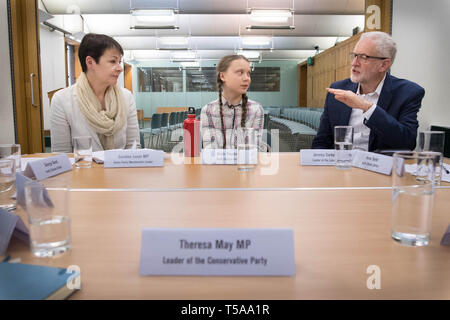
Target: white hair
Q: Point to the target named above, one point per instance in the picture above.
(384, 43)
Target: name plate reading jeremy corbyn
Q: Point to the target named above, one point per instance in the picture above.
(217, 252)
(317, 157)
(373, 162)
(133, 158)
(219, 156)
(48, 167)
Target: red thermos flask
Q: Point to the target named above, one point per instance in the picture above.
(191, 135)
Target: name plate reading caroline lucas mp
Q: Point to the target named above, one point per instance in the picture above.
(133, 158)
(317, 157)
(217, 252)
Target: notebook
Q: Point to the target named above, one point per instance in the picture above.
(30, 282)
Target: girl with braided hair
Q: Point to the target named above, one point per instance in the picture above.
(233, 109)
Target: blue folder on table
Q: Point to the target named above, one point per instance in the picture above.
(30, 282)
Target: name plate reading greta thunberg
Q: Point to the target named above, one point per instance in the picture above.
(217, 252)
(133, 158)
(317, 157)
(219, 156)
(373, 162)
(48, 167)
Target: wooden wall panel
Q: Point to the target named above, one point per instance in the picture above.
(302, 84)
(329, 66)
(78, 69)
(127, 74)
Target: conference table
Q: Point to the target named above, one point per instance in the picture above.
(340, 219)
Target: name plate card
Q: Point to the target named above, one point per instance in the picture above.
(133, 158)
(248, 156)
(217, 252)
(373, 162)
(317, 157)
(219, 156)
(361, 159)
(11, 225)
(48, 167)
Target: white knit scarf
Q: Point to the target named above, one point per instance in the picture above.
(105, 122)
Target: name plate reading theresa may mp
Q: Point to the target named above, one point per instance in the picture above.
(217, 252)
(133, 158)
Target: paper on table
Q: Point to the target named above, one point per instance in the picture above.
(98, 156)
(25, 161)
(412, 168)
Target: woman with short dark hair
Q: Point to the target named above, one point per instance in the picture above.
(95, 106)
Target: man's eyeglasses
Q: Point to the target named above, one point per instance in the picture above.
(364, 57)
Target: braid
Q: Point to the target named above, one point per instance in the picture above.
(219, 83)
(223, 66)
(244, 110)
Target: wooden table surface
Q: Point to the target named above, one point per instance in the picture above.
(338, 235)
(283, 171)
(278, 171)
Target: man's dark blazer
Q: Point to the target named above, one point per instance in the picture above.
(393, 125)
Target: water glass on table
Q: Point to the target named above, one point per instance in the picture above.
(82, 152)
(11, 151)
(48, 217)
(412, 196)
(7, 184)
(247, 148)
(433, 141)
(343, 142)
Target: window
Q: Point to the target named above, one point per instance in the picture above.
(265, 79)
(160, 79)
(203, 80)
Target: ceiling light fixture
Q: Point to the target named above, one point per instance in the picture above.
(157, 15)
(256, 41)
(249, 28)
(273, 16)
(249, 54)
(153, 19)
(184, 55)
(190, 64)
(174, 41)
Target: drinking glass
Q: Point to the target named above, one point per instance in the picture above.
(412, 196)
(48, 217)
(82, 151)
(343, 142)
(247, 148)
(433, 141)
(7, 184)
(11, 151)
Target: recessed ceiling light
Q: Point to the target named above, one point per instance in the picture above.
(174, 41)
(256, 41)
(274, 16)
(249, 54)
(155, 15)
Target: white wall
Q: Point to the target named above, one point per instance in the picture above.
(6, 105)
(52, 67)
(421, 31)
